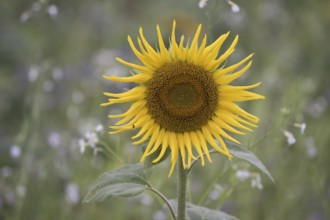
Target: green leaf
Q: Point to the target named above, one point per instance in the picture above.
(249, 157)
(195, 212)
(126, 181)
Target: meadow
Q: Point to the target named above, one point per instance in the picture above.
(54, 140)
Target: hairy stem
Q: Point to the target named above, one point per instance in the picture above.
(164, 199)
(182, 188)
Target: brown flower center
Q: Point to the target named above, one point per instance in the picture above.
(182, 97)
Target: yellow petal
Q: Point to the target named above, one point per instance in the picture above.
(231, 68)
(164, 147)
(215, 129)
(146, 135)
(135, 107)
(229, 78)
(150, 50)
(193, 47)
(224, 56)
(164, 52)
(203, 145)
(174, 45)
(138, 78)
(173, 143)
(138, 89)
(132, 65)
(157, 144)
(132, 115)
(210, 140)
(221, 123)
(188, 145)
(196, 143)
(144, 128)
(182, 149)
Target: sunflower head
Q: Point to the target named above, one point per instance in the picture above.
(183, 100)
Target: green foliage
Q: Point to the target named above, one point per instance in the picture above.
(250, 157)
(195, 212)
(126, 181)
(51, 89)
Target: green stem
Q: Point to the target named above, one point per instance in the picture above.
(182, 188)
(152, 189)
(112, 152)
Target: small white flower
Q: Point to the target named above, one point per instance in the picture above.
(15, 151)
(290, 138)
(33, 72)
(99, 128)
(256, 182)
(24, 17)
(234, 7)
(202, 3)
(146, 199)
(311, 147)
(159, 215)
(82, 145)
(243, 174)
(72, 193)
(54, 139)
(214, 194)
(302, 127)
(52, 10)
(92, 139)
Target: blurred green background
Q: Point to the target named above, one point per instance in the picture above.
(53, 134)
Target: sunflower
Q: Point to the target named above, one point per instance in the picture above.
(183, 101)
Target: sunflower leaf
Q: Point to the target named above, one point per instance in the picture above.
(249, 157)
(126, 181)
(195, 212)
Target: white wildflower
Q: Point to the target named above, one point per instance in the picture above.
(234, 7)
(54, 139)
(256, 182)
(33, 73)
(72, 193)
(159, 215)
(146, 199)
(311, 147)
(243, 174)
(202, 3)
(24, 17)
(290, 138)
(15, 151)
(82, 145)
(302, 127)
(91, 139)
(99, 128)
(52, 10)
